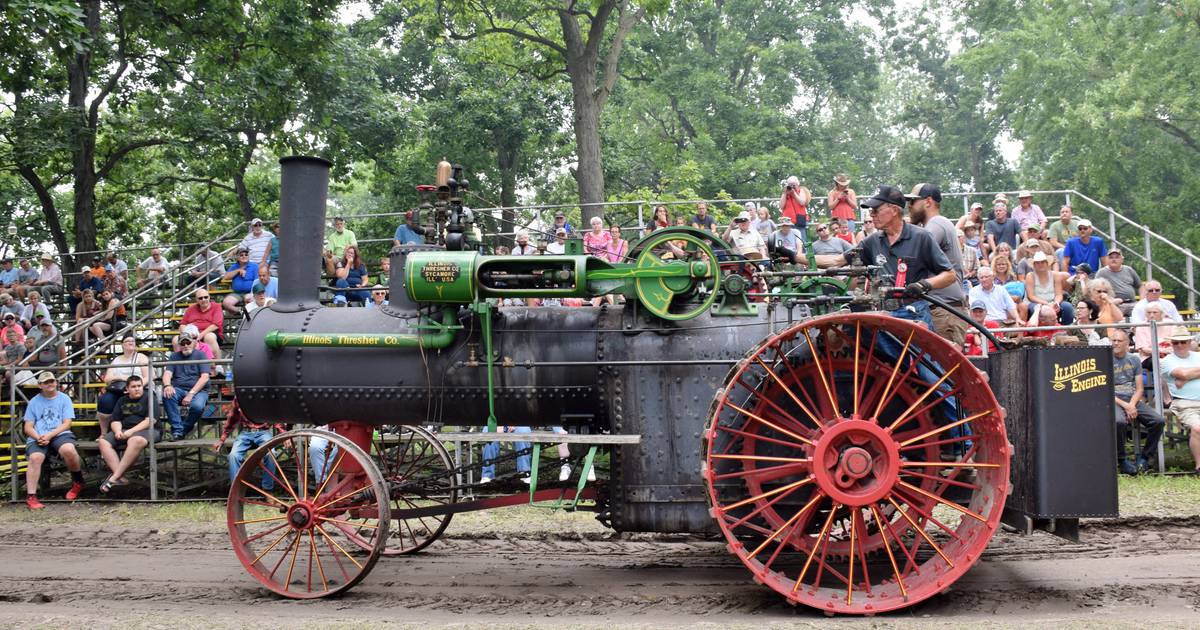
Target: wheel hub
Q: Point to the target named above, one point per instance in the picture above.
(301, 516)
(856, 462)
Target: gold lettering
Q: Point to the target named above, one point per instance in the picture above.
(1081, 376)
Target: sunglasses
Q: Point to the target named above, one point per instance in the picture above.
(381, 293)
(1180, 343)
(185, 342)
(203, 297)
(1153, 290)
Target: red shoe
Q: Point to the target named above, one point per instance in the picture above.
(33, 503)
(73, 493)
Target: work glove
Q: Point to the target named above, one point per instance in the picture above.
(917, 289)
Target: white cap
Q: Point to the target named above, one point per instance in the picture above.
(1040, 257)
(743, 215)
(1024, 194)
(1085, 223)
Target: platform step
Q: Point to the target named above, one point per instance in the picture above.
(540, 437)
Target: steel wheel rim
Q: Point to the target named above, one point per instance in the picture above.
(419, 473)
(872, 473)
(295, 539)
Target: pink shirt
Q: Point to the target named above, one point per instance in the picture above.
(616, 250)
(597, 244)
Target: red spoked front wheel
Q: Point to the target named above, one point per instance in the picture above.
(308, 514)
(856, 463)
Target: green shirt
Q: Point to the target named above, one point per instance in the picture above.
(339, 242)
(1060, 232)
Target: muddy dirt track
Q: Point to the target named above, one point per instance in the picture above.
(1131, 572)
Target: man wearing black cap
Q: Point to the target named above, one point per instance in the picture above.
(906, 252)
(925, 210)
(560, 223)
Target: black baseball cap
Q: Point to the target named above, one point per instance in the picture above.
(885, 194)
(925, 191)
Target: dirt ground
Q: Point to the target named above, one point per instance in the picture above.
(170, 567)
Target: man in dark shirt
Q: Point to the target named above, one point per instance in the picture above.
(185, 385)
(925, 267)
(1127, 387)
(132, 428)
(702, 219)
(1002, 229)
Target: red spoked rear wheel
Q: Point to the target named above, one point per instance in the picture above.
(856, 463)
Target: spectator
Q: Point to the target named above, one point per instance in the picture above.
(596, 242)
(1004, 249)
(1125, 280)
(999, 303)
(618, 247)
(9, 305)
(207, 265)
(44, 347)
(925, 209)
(257, 242)
(379, 295)
(842, 201)
(1084, 316)
(1086, 248)
(115, 283)
(190, 331)
(341, 238)
(153, 270)
(8, 274)
(787, 243)
(184, 386)
(259, 299)
(1143, 340)
(12, 350)
(1100, 293)
(558, 246)
(251, 435)
(349, 272)
(1002, 269)
(971, 238)
(1127, 388)
(1028, 213)
(842, 231)
(27, 277)
(114, 264)
(826, 244)
(1152, 293)
(128, 364)
(1063, 230)
(50, 279)
(131, 429)
(48, 429)
(241, 276)
(702, 220)
(560, 223)
(272, 262)
(269, 284)
(86, 282)
(88, 308)
(1028, 248)
(1181, 370)
(523, 248)
(112, 317)
(1044, 317)
(973, 216)
(761, 221)
(1046, 287)
(745, 241)
(1077, 283)
(868, 228)
(385, 271)
(10, 323)
(660, 220)
(491, 450)
(1002, 229)
(409, 233)
(974, 339)
(34, 311)
(209, 321)
(793, 204)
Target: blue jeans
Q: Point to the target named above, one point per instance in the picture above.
(491, 450)
(319, 459)
(243, 444)
(180, 426)
(352, 296)
(918, 311)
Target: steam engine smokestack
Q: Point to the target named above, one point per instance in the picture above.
(304, 187)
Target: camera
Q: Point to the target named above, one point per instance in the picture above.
(791, 187)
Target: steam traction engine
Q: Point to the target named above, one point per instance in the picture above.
(853, 461)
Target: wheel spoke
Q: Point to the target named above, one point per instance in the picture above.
(263, 492)
(948, 480)
(921, 531)
(763, 458)
(817, 496)
(316, 554)
(787, 390)
(932, 388)
(757, 437)
(770, 424)
(796, 424)
(272, 546)
(302, 469)
(857, 338)
(770, 473)
(892, 379)
(261, 520)
(286, 483)
(944, 428)
(816, 544)
(949, 504)
(263, 534)
(334, 520)
(887, 546)
(328, 472)
(292, 567)
(348, 494)
(821, 370)
(789, 487)
(947, 465)
(335, 544)
(797, 380)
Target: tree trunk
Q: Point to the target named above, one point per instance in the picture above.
(83, 153)
(589, 174)
(507, 159)
(239, 176)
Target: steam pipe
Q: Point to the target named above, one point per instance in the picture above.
(304, 186)
(442, 338)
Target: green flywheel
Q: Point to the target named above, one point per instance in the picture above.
(683, 295)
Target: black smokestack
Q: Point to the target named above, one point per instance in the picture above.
(304, 186)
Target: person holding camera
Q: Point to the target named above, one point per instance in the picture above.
(842, 200)
(793, 204)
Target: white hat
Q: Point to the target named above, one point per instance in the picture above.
(743, 216)
(750, 205)
(1024, 194)
(1085, 223)
(976, 205)
(1040, 257)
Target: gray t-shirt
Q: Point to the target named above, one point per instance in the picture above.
(1006, 232)
(1125, 372)
(832, 246)
(946, 236)
(1125, 282)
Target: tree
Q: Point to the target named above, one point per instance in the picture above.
(586, 47)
